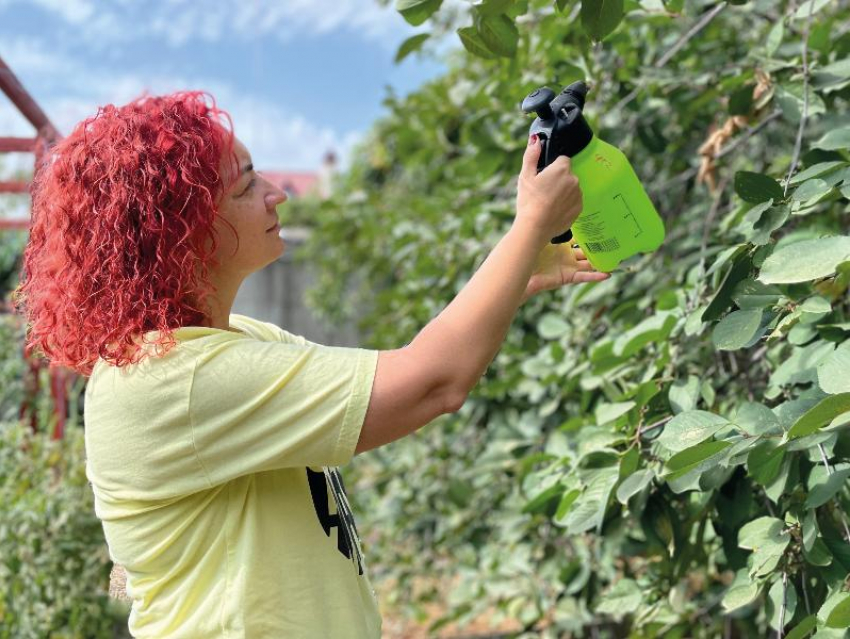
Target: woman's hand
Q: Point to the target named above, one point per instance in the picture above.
(548, 201)
(558, 265)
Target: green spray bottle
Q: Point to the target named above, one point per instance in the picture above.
(617, 219)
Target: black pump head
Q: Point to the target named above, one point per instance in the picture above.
(578, 92)
(560, 125)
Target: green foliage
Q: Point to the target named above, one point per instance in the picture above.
(54, 566)
(12, 367)
(646, 455)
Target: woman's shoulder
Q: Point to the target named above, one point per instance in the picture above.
(266, 331)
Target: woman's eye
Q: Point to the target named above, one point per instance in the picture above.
(248, 188)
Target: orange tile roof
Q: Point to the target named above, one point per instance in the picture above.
(297, 183)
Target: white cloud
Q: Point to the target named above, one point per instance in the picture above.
(69, 89)
(178, 21)
(181, 21)
(277, 137)
(73, 11)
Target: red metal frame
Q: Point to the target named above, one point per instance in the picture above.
(46, 136)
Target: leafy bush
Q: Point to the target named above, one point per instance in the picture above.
(12, 367)
(665, 453)
(54, 565)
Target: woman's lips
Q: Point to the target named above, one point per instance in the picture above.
(276, 227)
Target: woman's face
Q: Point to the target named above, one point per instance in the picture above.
(249, 205)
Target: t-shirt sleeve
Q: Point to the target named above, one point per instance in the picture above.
(257, 405)
(286, 337)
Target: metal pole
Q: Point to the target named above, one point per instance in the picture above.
(46, 136)
(28, 107)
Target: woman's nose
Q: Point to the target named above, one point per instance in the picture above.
(275, 197)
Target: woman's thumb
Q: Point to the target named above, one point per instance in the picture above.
(532, 156)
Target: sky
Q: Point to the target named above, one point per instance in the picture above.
(298, 77)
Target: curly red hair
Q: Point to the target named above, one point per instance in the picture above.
(122, 237)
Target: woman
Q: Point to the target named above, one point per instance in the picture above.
(212, 439)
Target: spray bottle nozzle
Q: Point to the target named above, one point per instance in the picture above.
(576, 92)
(538, 102)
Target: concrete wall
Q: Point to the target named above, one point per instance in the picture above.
(276, 294)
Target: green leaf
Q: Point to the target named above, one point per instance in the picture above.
(653, 329)
(518, 8)
(552, 326)
(823, 486)
(810, 529)
(539, 502)
(723, 298)
(832, 76)
(831, 603)
(601, 17)
(473, 43)
(633, 484)
(756, 187)
(772, 220)
(694, 458)
(760, 531)
(740, 596)
(417, 11)
(806, 260)
(493, 7)
(816, 305)
(413, 43)
(776, 488)
(820, 415)
(818, 554)
(801, 368)
(789, 95)
(565, 504)
(834, 140)
(822, 168)
(766, 538)
(683, 394)
(840, 615)
(606, 413)
(739, 329)
(658, 522)
(840, 550)
(834, 370)
(756, 419)
(589, 512)
(775, 597)
(751, 294)
(765, 461)
(810, 7)
(623, 598)
(774, 38)
(741, 100)
(812, 189)
(803, 628)
(499, 33)
(690, 428)
(743, 591)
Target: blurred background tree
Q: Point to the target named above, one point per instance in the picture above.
(663, 454)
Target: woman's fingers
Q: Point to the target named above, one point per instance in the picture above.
(589, 276)
(579, 253)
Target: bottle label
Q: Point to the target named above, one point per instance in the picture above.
(591, 226)
(605, 246)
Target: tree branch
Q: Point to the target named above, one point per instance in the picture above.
(798, 142)
(699, 26)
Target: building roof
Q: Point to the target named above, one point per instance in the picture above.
(297, 183)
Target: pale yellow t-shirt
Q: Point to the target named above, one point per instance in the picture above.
(214, 474)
